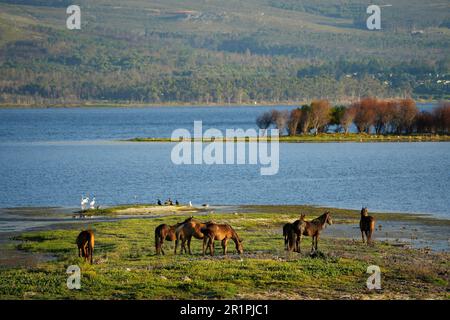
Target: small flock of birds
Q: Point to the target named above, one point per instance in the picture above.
(169, 202)
(85, 202)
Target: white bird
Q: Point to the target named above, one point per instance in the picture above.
(92, 204)
(84, 202)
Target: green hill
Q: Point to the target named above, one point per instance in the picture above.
(211, 51)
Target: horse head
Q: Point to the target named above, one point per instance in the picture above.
(364, 211)
(239, 247)
(328, 218)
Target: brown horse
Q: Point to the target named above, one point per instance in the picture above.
(313, 229)
(85, 242)
(289, 236)
(164, 232)
(185, 231)
(220, 232)
(292, 233)
(367, 225)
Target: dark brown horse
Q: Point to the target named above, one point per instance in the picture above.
(220, 232)
(164, 232)
(185, 231)
(85, 242)
(289, 236)
(313, 229)
(367, 225)
(292, 233)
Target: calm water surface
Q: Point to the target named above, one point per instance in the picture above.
(49, 157)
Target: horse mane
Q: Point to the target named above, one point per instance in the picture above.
(321, 219)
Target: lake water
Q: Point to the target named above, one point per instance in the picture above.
(49, 157)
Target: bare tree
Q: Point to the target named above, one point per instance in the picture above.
(365, 114)
(280, 119)
(347, 118)
(293, 122)
(408, 112)
(305, 119)
(320, 114)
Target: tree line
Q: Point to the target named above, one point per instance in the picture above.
(367, 115)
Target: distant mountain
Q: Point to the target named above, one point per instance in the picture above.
(215, 51)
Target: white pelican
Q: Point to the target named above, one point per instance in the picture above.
(92, 204)
(84, 202)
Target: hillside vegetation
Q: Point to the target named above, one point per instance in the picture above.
(211, 51)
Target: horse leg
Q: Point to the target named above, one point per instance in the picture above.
(224, 246)
(91, 252)
(162, 247)
(211, 246)
(176, 245)
(296, 243)
(312, 243)
(317, 242)
(369, 237)
(205, 240)
(362, 235)
(189, 245)
(299, 241)
(183, 246)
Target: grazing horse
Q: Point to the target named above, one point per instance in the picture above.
(85, 242)
(220, 232)
(314, 227)
(185, 231)
(367, 225)
(164, 232)
(292, 233)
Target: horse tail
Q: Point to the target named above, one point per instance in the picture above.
(285, 233)
(371, 227)
(91, 241)
(290, 239)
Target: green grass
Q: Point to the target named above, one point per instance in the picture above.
(126, 267)
(323, 137)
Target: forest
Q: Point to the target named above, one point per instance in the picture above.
(216, 52)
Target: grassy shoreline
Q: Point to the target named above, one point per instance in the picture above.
(126, 267)
(323, 137)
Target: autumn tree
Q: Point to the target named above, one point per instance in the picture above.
(320, 115)
(305, 119)
(365, 114)
(294, 120)
(383, 116)
(407, 112)
(347, 118)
